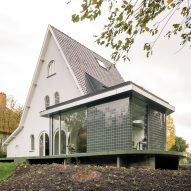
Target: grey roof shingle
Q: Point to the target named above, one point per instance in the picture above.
(83, 61)
(94, 85)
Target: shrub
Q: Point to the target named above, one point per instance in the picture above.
(2, 153)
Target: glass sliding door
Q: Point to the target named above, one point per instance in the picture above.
(44, 144)
(139, 125)
(56, 133)
(69, 132)
(63, 136)
(41, 145)
(62, 142)
(75, 123)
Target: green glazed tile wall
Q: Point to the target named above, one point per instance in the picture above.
(109, 126)
(157, 130)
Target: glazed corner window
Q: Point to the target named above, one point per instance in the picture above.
(51, 68)
(47, 101)
(32, 142)
(57, 98)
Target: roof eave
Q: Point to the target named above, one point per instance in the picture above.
(111, 92)
(32, 87)
(66, 61)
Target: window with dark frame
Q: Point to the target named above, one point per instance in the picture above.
(57, 98)
(32, 143)
(47, 101)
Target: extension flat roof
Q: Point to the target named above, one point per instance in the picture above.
(106, 93)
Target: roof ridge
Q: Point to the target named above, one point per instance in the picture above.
(82, 44)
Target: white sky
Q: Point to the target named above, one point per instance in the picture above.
(23, 24)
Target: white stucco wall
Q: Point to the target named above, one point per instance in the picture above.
(61, 82)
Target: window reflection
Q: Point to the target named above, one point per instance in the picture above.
(44, 144)
(71, 126)
(55, 136)
(139, 125)
(77, 131)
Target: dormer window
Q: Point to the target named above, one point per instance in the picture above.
(51, 68)
(101, 64)
(47, 101)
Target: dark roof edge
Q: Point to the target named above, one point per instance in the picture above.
(149, 92)
(102, 91)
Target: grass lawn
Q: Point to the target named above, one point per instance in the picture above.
(6, 170)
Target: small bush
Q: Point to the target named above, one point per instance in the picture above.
(2, 154)
(185, 166)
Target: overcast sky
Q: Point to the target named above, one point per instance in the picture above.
(23, 25)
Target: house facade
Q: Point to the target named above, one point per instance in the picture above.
(65, 69)
(79, 104)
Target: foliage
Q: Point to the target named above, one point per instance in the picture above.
(2, 153)
(180, 145)
(6, 169)
(170, 141)
(189, 158)
(128, 19)
(185, 166)
(10, 114)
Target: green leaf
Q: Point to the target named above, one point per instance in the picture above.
(75, 18)
(120, 17)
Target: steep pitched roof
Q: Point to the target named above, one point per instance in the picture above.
(94, 85)
(83, 61)
(83, 65)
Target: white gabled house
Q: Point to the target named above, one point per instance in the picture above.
(80, 106)
(65, 70)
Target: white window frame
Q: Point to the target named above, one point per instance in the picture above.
(51, 68)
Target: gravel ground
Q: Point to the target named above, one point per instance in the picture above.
(77, 178)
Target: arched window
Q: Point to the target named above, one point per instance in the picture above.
(32, 142)
(47, 101)
(57, 98)
(51, 68)
(59, 142)
(43, 144)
